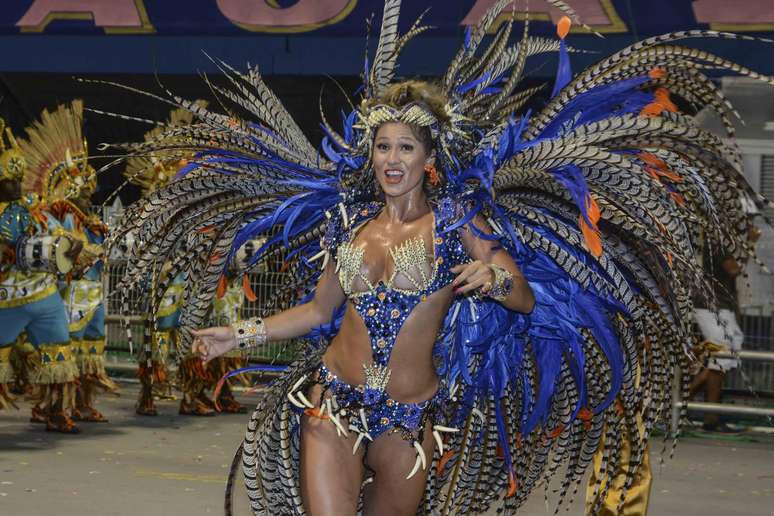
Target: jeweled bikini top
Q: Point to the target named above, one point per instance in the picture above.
(383, 306)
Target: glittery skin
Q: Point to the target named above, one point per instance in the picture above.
(384, 309)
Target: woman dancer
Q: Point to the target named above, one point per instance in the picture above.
(396, 271)
(589, 205)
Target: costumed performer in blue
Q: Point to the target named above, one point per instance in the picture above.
(514, 286)
(30, 236)
(83, 295)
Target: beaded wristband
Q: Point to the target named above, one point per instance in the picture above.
(250, 333)
(502, 285)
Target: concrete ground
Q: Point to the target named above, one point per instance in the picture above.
(176, 465)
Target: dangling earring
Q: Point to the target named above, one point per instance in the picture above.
(432, 174)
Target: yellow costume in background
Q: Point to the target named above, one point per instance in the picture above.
(226, 310)
(635, 502)
(150, 173)
(616, 502)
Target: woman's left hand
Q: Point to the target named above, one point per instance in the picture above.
(474, 275)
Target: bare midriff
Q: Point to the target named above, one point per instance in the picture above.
(413, 377)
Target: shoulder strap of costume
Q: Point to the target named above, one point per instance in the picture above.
(341, 222)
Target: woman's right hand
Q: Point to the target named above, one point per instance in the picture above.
(211, 343)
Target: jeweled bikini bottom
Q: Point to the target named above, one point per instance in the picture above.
(371, 412)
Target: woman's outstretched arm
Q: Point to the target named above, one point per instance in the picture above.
(294, 322)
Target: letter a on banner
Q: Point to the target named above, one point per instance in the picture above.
(736, 16)
(599, 14)
(268, 16)
(114, 16)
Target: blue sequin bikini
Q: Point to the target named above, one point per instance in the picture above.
(368, 409)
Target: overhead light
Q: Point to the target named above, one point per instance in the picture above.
(768, 126)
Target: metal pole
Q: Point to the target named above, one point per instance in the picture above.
(115, 318)
(719, 408)
(676, 400)
(757, 356)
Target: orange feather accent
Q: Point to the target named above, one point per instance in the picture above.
(591, 233)
(619, 408)
(563, 27)
(284, 266)
(652, 172)
(315, 412)
(443, 460)
(657, 73)
(679, 199)
(670, 174)
(248, 290)
(662, 96)
(585, 416)
(659, 167)
(652, 159)
(556, 432)
(222, 284)
(512, 485)
(592, 238)
(661, 103)
(500, 452)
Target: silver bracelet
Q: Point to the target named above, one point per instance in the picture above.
(250, 333)
(502, 285)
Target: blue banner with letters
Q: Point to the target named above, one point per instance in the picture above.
(328, 36)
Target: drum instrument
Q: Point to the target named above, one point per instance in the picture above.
(44, 253)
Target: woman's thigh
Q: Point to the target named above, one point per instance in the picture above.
(392, 459)
(331, 475)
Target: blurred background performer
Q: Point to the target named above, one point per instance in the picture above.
(150, 173)
(226, 310)
(83, 295)
(35, 250)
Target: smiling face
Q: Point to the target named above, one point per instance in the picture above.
(399, 159)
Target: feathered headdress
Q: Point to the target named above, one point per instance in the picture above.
(56, 154)
(154, 170)
(12, 162)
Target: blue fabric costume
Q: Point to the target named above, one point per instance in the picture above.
(597, 196)
(29, 300)
(86, 312)
(83, 295)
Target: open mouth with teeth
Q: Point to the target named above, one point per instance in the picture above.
(393, 176)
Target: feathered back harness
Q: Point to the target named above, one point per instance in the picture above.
(598, 195)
